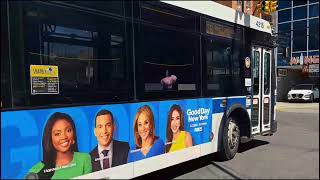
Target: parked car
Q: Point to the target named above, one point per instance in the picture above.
(303, 92)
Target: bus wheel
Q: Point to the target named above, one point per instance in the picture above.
(230, 140)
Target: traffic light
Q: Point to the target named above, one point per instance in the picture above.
(273, 6)
(266, 7)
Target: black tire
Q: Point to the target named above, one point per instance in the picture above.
(229, 150)
(312, 98)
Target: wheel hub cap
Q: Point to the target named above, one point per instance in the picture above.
(233, 135)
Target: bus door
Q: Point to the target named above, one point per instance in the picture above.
(261, 101)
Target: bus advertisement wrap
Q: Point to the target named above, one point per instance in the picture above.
(73, 141)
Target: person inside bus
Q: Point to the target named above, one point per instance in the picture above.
(61, 158)
(177, 138)
(146, 143)
(168, 82)
(109, 152)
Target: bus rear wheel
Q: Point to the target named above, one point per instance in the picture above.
(230, 139)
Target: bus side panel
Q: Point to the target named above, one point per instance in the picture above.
(217, 115)
(197, 118)
(222, 107)
(22, 136)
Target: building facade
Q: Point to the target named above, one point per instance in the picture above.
(298, 44)
(248, 7)
(296, 26)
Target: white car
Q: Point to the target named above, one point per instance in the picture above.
(306, 92)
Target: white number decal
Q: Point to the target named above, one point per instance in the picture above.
(259, 24)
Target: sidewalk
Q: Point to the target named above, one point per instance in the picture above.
(297, 107)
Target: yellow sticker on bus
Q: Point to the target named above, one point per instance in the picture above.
(43, 71)
(44, 79)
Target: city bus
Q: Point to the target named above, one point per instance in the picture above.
(119, 89)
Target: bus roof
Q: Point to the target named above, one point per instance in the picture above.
(222, 12)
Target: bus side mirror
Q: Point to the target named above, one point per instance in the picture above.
(286, 53)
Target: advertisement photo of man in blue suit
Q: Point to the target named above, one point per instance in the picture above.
(108, 152)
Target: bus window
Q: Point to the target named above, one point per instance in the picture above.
(223, 58)
(5, 59)
(88, 49)
(168, 63)
(266, 73)
(256, 69)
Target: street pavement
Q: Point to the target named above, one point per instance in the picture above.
(292, 152)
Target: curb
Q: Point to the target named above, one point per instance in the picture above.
(279, 110)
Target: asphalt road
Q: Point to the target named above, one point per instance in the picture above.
(293, 152)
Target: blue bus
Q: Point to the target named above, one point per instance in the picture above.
(118, 89)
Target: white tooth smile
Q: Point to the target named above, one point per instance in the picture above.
(65, 143)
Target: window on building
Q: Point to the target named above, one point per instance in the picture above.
(299, 2)
(284, 4)
(284, 42)
(284, 28)
(281, 61)
(300, 26)
(300, 12)
(313, 1)
(314, 53)
(314, 10)
(299, 36)
(314, 34)
(284, 35)
(284, 15)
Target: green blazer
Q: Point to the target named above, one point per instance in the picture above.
(80, 165)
